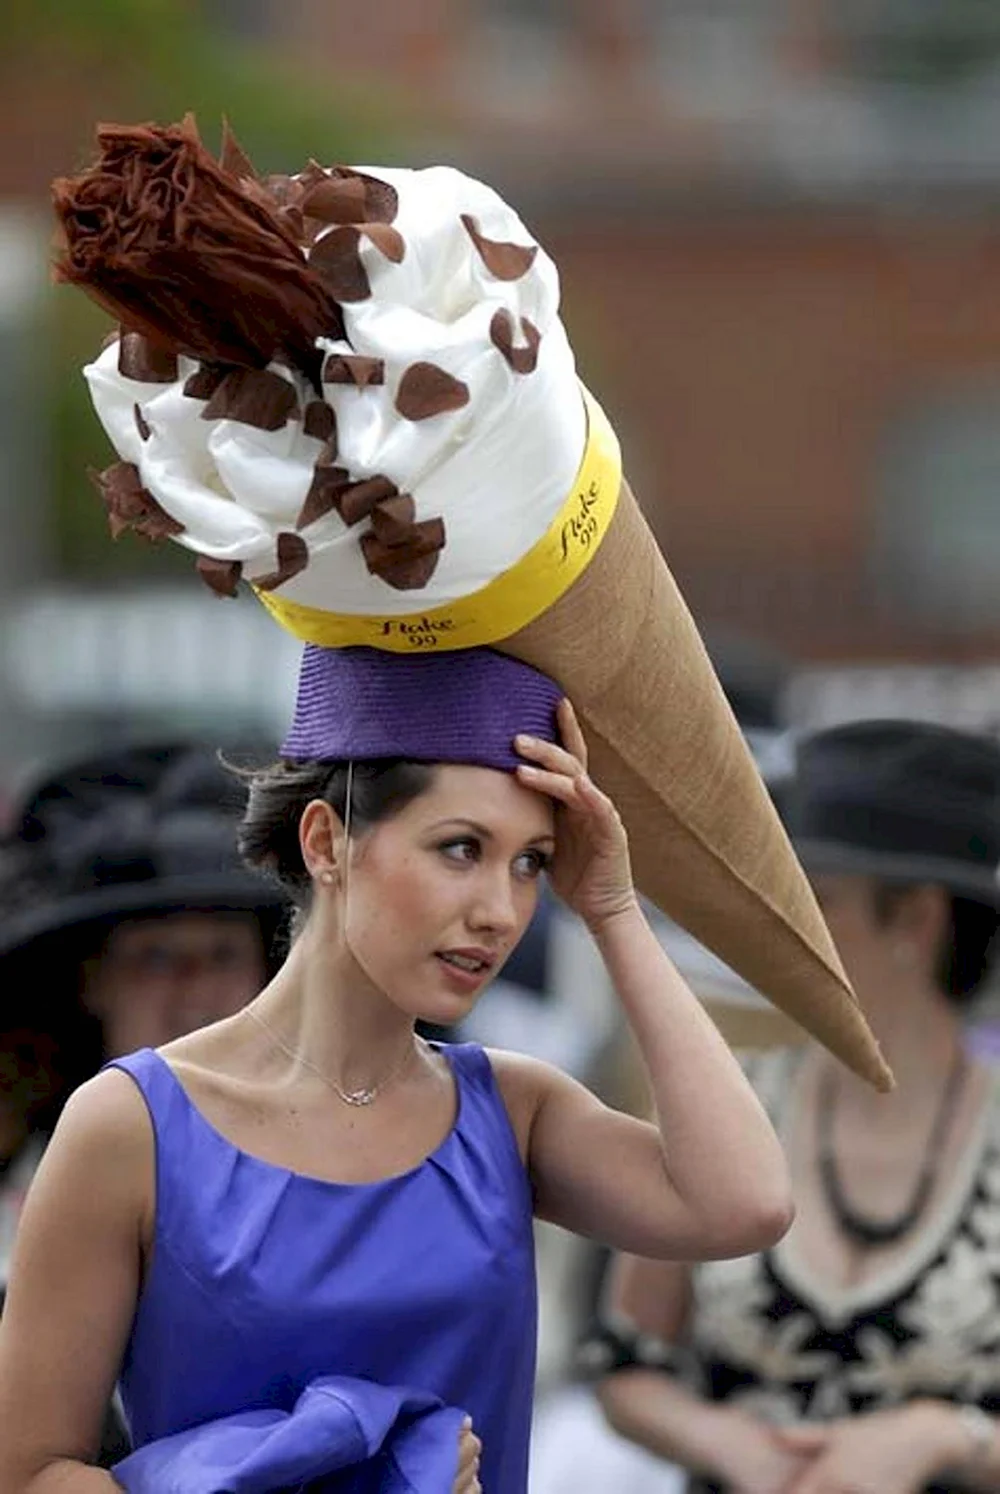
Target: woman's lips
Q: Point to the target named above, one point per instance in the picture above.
(463, 969)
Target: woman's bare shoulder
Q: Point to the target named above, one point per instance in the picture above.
(108, 1107)
(523, 1082)
(103, 1140)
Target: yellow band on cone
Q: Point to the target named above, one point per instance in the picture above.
(509, 602)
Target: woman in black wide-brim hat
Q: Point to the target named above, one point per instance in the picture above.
(122, 884)
(871, 1335)
(127, 920)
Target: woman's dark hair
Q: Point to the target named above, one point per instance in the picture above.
(968, 948)
(268, 837)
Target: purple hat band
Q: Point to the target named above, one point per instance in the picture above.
(464, 706)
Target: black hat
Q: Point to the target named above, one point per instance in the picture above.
(140, 830)
(903, 801)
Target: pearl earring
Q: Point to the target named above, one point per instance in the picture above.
(327, 878)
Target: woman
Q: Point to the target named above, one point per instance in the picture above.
(125, 903)
(387, 1185)
(123, 895)
(354, 391)
(861, 1353)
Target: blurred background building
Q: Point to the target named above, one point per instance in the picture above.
(776, 222)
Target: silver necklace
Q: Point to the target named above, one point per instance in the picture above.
(349, 1096)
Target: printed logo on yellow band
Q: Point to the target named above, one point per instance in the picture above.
(510, 601)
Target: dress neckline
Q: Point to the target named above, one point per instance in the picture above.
(837, 1304)
(310, 1179)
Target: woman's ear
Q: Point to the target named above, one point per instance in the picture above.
(322, 840)
(921, 922)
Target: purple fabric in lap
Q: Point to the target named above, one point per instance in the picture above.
(460, 707)
(263, 1281)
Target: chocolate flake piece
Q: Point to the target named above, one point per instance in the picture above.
(324, 494)
(253, 396)
(388, 241)
(381, 201)
(220, 576)
(141, 359)
(293, 556)
(336, 200)
(352, 368)
(142, 425)
(409, 566)
(234, 158)
(319, 420)
(206, 379)
(131, 506)
(312, 174)
(358, 500)
(523, 360)
(426, 390)
(392, 519)
(336, 261)
(409, 575)
(504, 261)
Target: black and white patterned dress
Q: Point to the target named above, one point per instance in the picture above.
(767, 1335)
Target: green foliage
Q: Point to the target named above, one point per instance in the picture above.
(157, 59)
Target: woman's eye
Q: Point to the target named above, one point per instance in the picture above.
(464, 851)
(532, 863)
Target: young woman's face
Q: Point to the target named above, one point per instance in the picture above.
(439, 895)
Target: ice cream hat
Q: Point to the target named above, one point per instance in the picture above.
(351, 388)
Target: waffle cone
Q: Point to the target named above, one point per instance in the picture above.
(707, 844)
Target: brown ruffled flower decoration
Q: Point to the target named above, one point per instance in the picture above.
(191, 256)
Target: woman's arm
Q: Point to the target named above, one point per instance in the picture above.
(73, 1288)
(652, 1408)
(709, 1178)
(646, 1405)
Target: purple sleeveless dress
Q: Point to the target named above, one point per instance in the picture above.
(264, 1280)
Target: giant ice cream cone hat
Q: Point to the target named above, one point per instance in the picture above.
(352, 390)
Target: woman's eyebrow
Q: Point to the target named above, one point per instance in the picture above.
(487, 834)
(472, 825)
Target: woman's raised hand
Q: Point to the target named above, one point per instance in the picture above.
(590, 870)
(469, 1449)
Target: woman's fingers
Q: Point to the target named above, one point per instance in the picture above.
(550, 755)
(555, 785)
(570, 731)
(578, 792)
(469, 1449)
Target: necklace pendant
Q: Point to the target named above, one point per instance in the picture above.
(357, 1096)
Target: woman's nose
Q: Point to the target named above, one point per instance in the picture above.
(495, 907)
